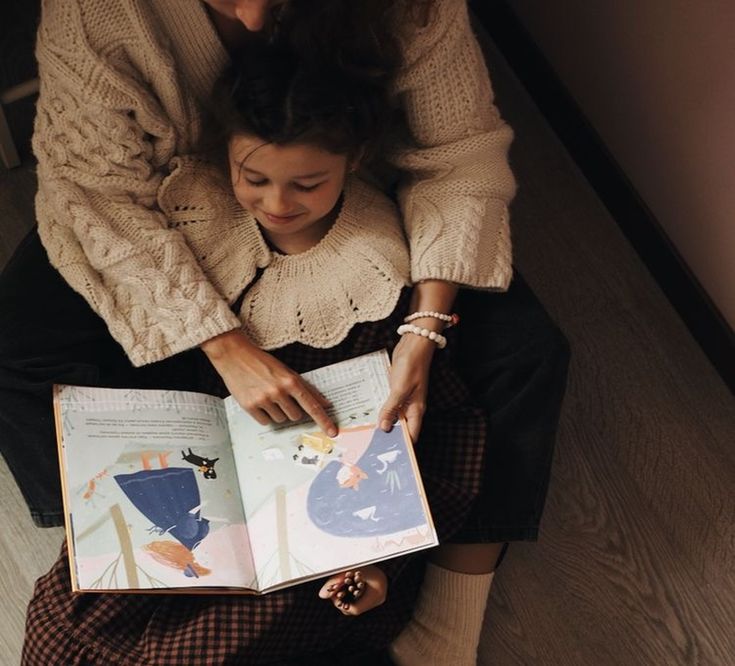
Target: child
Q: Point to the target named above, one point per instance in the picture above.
(330, 254)
(315, 263)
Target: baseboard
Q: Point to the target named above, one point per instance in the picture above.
(697, 310)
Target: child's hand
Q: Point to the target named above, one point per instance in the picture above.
(355, 592)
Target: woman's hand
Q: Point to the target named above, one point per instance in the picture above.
(263, 386)
(409, 375)
(409, 383)
(373, 592)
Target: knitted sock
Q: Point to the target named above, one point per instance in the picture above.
(446, 623)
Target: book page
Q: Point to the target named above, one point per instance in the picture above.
(316, 504)
(150, 490)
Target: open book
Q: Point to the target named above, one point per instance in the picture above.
(184, 491)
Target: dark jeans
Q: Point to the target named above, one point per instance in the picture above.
(513, 357)
(514, 360)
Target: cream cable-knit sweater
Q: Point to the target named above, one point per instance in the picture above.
(122, 87)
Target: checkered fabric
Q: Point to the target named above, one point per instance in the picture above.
(280, 627)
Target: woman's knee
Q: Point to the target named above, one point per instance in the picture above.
(498, 337)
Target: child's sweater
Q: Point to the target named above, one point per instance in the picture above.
(354, 274)
(123, 84)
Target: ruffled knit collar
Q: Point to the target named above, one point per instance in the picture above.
(354, 274)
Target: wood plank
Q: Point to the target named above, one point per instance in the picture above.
(605, 585)
(26, 553)
(655, 432)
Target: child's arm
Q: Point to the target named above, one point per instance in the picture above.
(370, 586)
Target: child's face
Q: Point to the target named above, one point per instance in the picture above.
(289, 189)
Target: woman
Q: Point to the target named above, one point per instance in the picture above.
(123, 86)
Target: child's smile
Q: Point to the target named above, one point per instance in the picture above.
(292, 190)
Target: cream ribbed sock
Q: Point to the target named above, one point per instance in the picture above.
(446, 623)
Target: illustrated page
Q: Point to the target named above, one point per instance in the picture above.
(151, 490)
(316, 504)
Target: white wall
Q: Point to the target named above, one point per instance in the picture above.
(656, 78)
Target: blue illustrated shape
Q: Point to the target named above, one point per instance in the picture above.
(385, 502)
(165, 497)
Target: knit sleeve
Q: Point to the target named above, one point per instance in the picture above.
(458, 184)
(105, 129)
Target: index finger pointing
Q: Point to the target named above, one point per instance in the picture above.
(311, 406)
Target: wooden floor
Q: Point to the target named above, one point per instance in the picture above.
(636, 560)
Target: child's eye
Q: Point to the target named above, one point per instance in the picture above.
(306, 188)
(256, 183)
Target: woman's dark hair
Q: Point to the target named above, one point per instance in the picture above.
(321, 75)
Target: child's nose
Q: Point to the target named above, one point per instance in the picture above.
(277, 202)
(253, 13)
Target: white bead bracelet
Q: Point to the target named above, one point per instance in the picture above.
(435, 337)
(449, 319)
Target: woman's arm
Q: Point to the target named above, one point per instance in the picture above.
(104, 134)
(263, 386)
(458, 184)
(456, 190)
(412, 356)
(433, 296)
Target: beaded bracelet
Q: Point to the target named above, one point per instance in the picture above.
(435, 337)
(449, 319)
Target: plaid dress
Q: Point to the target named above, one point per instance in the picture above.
(291, 626)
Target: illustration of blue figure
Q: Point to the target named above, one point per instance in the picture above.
(376, 495)
(167, 497)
